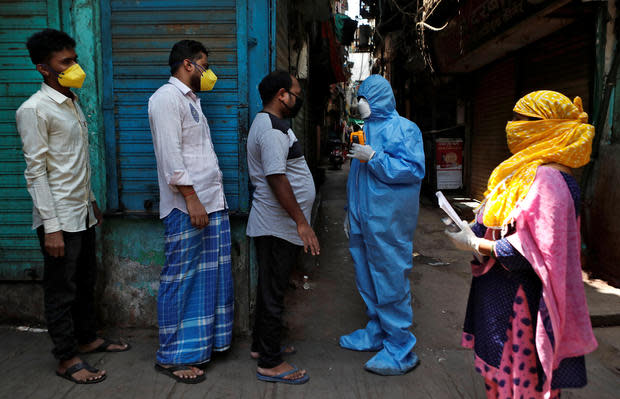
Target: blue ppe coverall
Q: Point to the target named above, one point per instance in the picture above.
(383, 205)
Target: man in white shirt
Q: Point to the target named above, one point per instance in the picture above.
(54, 134)
(195, 300)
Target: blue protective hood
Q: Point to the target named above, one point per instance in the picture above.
(378, 92)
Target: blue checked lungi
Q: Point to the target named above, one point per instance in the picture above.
(195, 300)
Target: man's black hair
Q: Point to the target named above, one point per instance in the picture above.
(272, 83)
(42, 44)
(185, 50)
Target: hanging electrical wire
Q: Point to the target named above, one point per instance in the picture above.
(427, 15)
(427, 26)
(414, 25)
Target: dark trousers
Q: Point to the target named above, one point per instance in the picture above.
(68, 288)
(276, 258)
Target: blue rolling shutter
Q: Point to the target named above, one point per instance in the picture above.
(20, 256)
(137, 36)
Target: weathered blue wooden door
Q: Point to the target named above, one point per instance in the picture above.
(137, 36)
(20, 256)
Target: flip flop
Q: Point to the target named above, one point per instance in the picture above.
(68, 374)
(280, 377)
(106, 344)
(169, 371)
(283, 351)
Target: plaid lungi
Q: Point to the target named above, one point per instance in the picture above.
(195, 300)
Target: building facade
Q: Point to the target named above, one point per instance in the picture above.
(464, 64)
(123, 47)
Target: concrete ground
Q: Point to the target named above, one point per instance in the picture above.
(315, 320)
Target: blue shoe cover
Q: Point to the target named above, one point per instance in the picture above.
(383, 363)
(369, 339)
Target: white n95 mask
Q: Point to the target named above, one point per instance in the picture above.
(364, 108)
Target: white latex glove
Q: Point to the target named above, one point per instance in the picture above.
(465, 239)
(361, 152)
(347, 225)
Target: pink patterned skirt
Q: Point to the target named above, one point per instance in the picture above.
(517, 376)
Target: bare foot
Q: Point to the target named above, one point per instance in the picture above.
(288, 350)
(191, 374)
(81, 375)
(282, 368)
(95, 344)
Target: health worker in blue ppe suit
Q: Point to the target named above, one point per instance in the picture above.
(383, 192)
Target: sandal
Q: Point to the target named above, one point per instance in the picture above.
(280, 377)
(169, 371)
(106, 344)
(68, 374)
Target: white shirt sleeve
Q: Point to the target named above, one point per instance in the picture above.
(274, 147)
(165, 121)
(32, 128)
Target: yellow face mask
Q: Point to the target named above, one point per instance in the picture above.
(207, 77)
(207, 80)
(72, 77)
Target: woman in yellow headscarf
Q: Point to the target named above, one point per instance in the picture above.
(527, 318)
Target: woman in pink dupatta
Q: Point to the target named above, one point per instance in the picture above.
(527, 318)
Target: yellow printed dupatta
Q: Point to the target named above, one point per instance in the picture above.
(562, 135)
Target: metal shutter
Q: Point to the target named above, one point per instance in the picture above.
(137, 38)
(493, 102)
(563, 62)
(20, 255)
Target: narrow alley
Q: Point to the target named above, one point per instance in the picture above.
(315, 320)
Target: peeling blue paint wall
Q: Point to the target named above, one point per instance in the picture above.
(132, 260)
(20, 258)
(131, 247)
(135, 55)
(83, 24)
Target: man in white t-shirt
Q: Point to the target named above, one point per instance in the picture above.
(282, 203)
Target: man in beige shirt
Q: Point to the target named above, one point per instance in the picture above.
(54, 134)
